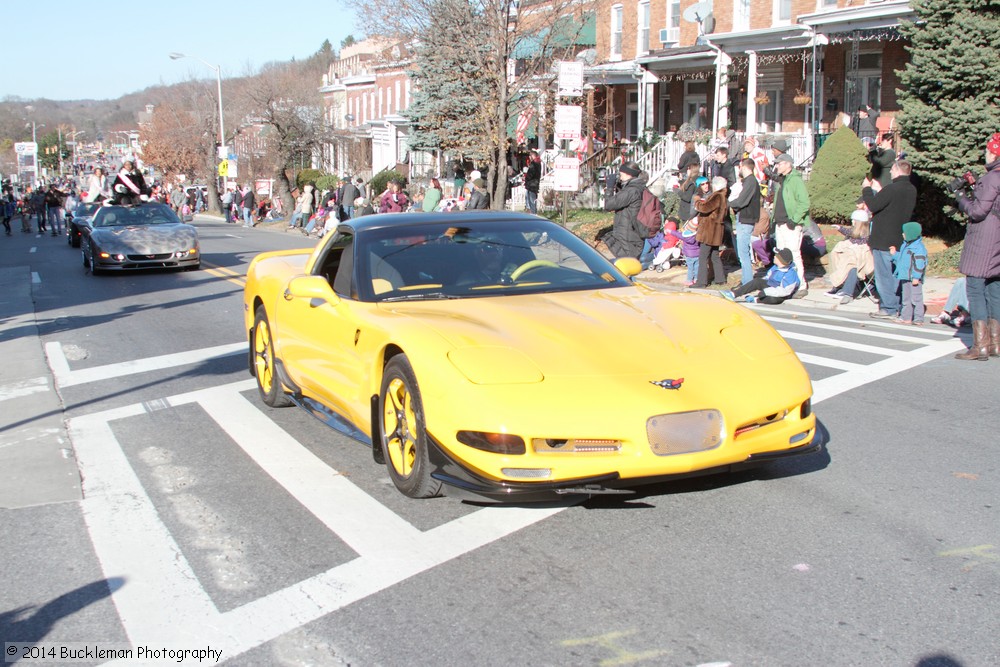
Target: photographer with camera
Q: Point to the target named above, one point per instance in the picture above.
(882, 157)
(980, 261)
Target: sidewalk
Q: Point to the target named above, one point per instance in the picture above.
(936, 290)
(33, 438)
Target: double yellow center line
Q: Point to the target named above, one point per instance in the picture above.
(227, 274)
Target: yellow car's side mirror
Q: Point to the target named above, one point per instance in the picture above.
(311, 287)
(630, 266)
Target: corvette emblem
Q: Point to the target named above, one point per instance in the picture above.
(668, 383)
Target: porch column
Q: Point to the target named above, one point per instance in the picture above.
(752, 93)
(720, 118)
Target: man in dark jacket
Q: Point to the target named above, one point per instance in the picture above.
(348, 194)
(746, 205)
(480, 199)
(626, 239)
(980, 260)
(891, 206)
(720, 165)
(864, 123)
(532, 179)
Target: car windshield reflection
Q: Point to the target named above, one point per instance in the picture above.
(486, 258)
(120, 216)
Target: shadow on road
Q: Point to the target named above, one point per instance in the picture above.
(32, 625)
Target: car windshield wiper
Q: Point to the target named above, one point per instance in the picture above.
(425, 296)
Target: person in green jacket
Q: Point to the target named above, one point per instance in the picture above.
(791, 211)
(432, 196)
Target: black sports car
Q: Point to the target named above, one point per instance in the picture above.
(77, 220)
(146, 236)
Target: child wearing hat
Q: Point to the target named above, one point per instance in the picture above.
(911, 265)
(779, 284)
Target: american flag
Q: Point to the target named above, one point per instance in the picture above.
(523, 119)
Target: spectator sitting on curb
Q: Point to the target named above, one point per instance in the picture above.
(779, 284)
(956, 309)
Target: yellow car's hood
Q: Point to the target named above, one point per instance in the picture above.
(601, 332)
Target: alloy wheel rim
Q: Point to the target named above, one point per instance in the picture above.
(399, 427)
(263, 365)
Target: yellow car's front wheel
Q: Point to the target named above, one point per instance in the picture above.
(262, 343)
(402, 433)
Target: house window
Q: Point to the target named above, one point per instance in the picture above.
(664, 125)
(870, 79)
(616, 33)
(696, 105)
(643, 43)
(827, 4)
(769, 115)
(741, 15)
(632, 116)
(782, 12)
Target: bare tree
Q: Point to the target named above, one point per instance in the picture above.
(285, 100)
(506, 49)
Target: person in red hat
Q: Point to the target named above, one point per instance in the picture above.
(980, 261)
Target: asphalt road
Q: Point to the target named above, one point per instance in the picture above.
(216, 521)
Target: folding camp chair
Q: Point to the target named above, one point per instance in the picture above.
(867, 289)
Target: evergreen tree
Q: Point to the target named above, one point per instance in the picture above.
(949, 91)
(445, 112)
(835, 181)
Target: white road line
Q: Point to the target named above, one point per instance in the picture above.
(888, 324)
(159, 593)
(23, 388)
(838, 384)
(332, 498)
(137, 551)
(829, 363)
(860, 331)
(33, 249)
(35, 278)
(67, 378)
(845, 345)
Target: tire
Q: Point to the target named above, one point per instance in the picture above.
(402, 432)
(89, 262)
(262, 349)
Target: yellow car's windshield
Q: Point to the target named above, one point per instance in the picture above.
(459, 259)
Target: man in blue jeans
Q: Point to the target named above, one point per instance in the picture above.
(891, 206)
(746, 204)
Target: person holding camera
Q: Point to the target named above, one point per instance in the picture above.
(980, 261)
(891, 207)
(882, 157)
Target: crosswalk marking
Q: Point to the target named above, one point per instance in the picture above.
(67, 378)
(855, 330)
(144, 562)
(842, 344)
(778, 311)
(816, 360)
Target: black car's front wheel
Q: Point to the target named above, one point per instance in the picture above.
(402, 431)
(89, 261)
(262, 345)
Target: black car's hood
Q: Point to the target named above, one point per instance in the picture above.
(146, 239)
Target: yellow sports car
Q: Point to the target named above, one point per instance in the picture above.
(498, 355)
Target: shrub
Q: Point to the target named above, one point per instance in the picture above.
(327, 182)
(835, 183)
(308, 176)
(380, 182)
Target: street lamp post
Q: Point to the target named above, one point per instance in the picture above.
(218, 82)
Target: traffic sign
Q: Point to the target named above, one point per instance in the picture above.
(566, 174)
(26, 148)
(569, 121)
(570, 78)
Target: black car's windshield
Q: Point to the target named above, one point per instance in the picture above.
(149, 214)
(474, 258)
(85, 210)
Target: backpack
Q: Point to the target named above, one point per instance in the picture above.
(650, 213)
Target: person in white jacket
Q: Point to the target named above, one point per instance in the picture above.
(97, 187)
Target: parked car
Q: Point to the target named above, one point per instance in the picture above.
(499, 355)
(147, 236)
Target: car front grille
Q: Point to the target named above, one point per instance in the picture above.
(161, 257)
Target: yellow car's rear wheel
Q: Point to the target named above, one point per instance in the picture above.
(402, 432)
(268, 383)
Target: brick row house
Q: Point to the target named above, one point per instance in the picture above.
(365, 92)
(757, 66)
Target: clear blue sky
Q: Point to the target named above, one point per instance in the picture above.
(72, 49)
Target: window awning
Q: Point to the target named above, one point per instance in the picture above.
(565, 32)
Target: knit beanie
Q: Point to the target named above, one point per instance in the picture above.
(993, 145)
(911, 231)
(630, 168)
